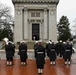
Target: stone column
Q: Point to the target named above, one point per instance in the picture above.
(52, 24)
(25, 24)
(40, 30)
(18, 24)
(30, 30)
(45, 24)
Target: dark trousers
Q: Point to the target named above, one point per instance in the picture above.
(40, 66)
(67, 55)
(9, 59)
(52, 59)
(23, 59)
(57, 52)
(61, 54)
(69, 59)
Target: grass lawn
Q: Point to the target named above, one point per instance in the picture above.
(30, 45)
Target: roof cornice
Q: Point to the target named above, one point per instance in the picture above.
(35, 1)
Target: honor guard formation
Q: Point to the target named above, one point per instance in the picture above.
(52, 51)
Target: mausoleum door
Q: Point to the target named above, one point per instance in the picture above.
(35, 31)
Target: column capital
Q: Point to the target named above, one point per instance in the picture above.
(52, 11)
(45, 11)
(25, 9)
(18, 11)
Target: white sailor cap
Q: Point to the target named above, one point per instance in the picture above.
(5, 39)
(64, 42)
(36, 41)
(50, 42)
(60, 41)
(23, 41)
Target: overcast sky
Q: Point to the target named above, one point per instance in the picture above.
(65, 7)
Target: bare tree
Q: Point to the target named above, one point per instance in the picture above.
(5, 15)
(4, 11)
(6, 21)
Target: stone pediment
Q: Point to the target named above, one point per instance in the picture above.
(35, 1)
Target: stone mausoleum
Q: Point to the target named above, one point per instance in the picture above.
(35, 19)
